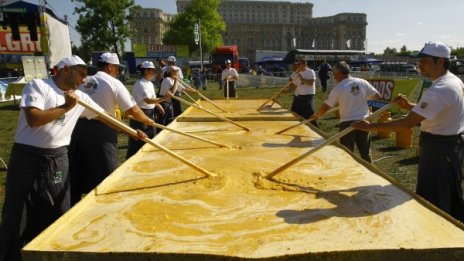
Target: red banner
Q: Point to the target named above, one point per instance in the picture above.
(385, 88)
(24, 46)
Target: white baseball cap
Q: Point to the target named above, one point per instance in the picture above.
(147, 65)
(433, 49)
(111, 58)
(228, 61)
(173, 68)
(172, 59)
(70, 61)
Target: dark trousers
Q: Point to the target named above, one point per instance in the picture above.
(440, 175)
(176, 106)
(133, 144)
(232, 92)
(361, 138)
(168, 116)
(36, 194)
(93, 156)
(323, 83)
(303, 106)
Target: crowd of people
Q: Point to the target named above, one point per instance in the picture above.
(62, 151)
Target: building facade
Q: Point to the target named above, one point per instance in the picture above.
(282, 26)
(151, 24)
(268, 25)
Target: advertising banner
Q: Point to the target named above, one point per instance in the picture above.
(391, 88)
(160, 51)
(24, 46)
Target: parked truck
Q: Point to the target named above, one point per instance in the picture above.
(223, 53)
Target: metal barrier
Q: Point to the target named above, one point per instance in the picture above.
(4, 86)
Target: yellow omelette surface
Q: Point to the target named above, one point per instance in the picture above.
(328, 202)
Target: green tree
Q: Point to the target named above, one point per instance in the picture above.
(181, 30)
(404, 51)
(104, 25)
(390, 51)
(458, 52)
(82, 52)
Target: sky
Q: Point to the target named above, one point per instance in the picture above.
(391, 23)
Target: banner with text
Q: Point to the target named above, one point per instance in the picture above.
(160, 51)
(24, 46)
(391, 88)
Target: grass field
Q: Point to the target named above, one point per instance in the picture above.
(400, 164)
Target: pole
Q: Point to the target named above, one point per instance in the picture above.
(44, 34)
(201, 51)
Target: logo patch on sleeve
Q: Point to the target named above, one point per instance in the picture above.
(423, 105)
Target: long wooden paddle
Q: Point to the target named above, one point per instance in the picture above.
(190, 97)
(335, 137)
(212, 113)
(274, 97)
(184, 133)
(133, 132)
(227, 90)
(203, 96)
(304, 122)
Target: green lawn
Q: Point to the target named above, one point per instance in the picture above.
(400, 164)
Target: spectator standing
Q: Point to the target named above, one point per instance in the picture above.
(324, 75)
(94, 146)
(229, 76)
(440, 113)
(351, 94)
(197, 79)
(204, 78)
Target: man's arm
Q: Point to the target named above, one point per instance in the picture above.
(306, 81)
(36, 117)
(408, 122)
(138, 114)
(322, 110)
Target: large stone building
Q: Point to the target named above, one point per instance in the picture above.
(266, 25)
(269, 25)
(151, 24)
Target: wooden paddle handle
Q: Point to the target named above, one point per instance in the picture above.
(305, 121)
(204, 97)
(184, 133)
(273, 97)
(212, 113)
(327, 142)
(133, 132)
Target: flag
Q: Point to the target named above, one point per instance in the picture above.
(313, 45)
(294, 42)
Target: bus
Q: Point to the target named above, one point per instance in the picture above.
(315, 57)
(197, 65)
